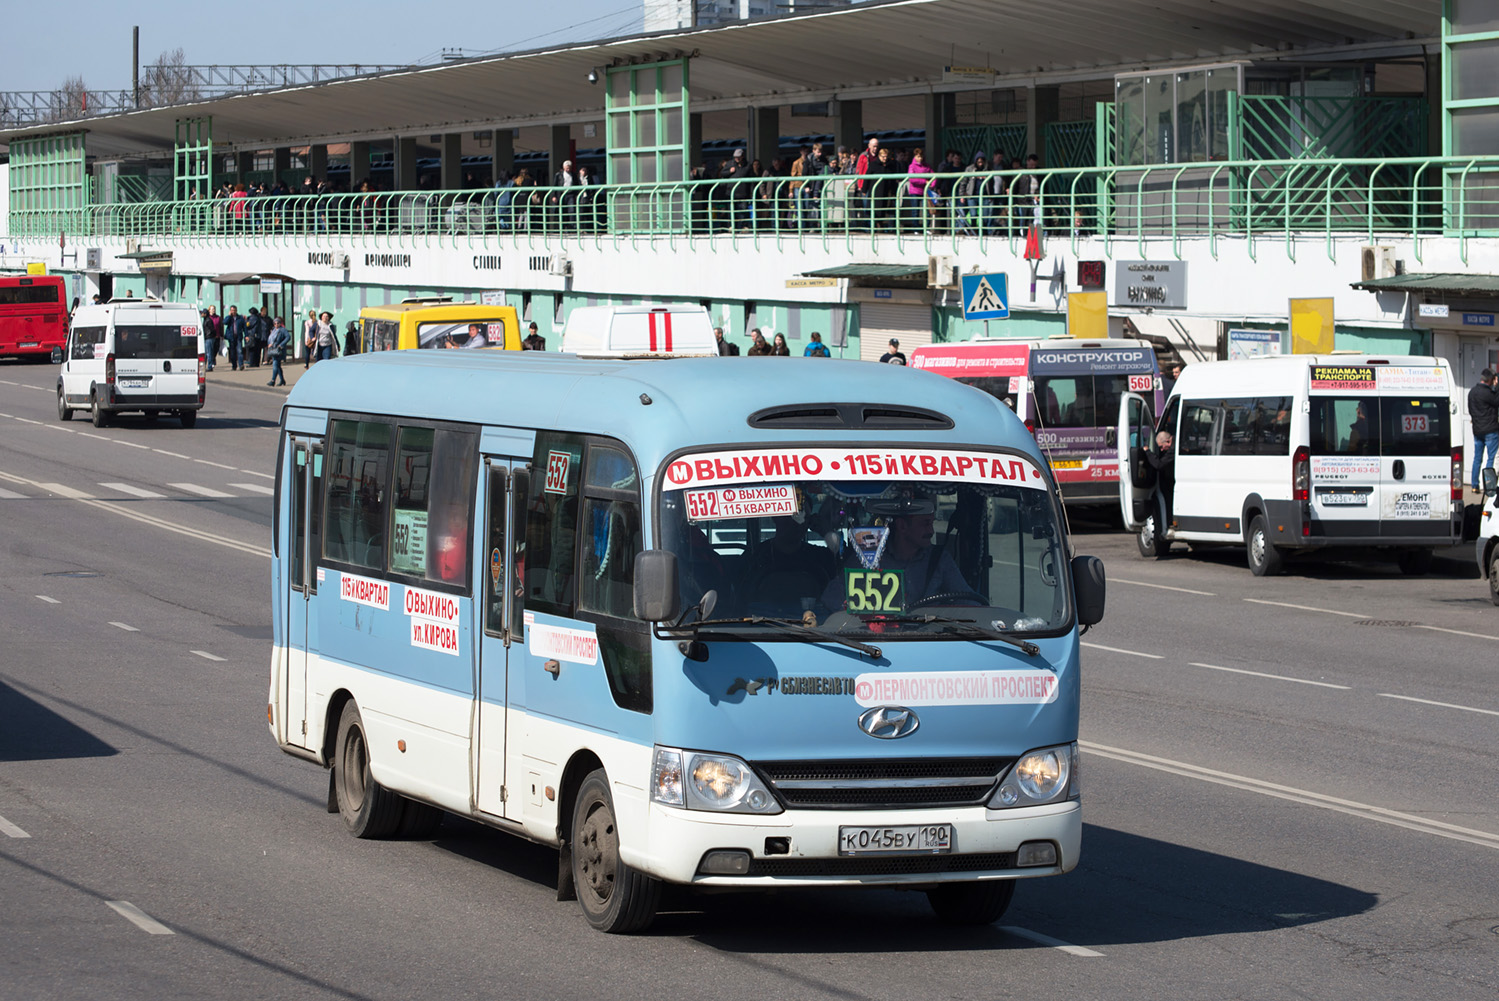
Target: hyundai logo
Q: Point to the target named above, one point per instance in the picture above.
(888, 722)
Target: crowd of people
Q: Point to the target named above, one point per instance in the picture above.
(776, 346)
(254, 338)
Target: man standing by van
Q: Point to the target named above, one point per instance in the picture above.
(1483, 410)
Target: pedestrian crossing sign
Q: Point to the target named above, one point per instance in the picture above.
(986, 296)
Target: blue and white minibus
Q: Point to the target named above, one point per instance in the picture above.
(731, 623)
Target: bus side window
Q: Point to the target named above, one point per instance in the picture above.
(358, 493)
(552, 522)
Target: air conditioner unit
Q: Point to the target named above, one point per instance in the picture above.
(1376, 262)
(561, 265)
(940, 272)
(341, 261)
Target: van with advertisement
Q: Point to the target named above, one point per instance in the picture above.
(1066, 392)
(683, 626)
(1298, 454)
(140, 355)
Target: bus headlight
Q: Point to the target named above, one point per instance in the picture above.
(1038, 777)
(700, 781)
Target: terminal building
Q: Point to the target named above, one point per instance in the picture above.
(1200, 165)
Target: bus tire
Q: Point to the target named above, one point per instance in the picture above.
(1493, 575)
(418, 820)
(64, 412)
(971, 903)
(1414, 562)
(369, 809)
(98, 414)
(614, 897)
(188, 417)
(1264, 559)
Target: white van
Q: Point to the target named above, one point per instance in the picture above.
(675, 331)
(1295, 453)
(133, 355)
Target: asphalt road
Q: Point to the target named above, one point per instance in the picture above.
(1290, 787)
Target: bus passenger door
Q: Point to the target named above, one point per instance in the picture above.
(503, 507)
(304, 547)
(1136, 477)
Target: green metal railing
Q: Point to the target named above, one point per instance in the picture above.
(1289, 201)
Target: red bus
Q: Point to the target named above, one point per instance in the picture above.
(33, 316)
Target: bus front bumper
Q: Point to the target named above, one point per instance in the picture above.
(800, 847)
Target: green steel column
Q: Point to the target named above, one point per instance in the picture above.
(244, 162)
(405, 153)
(559, 148)
(317, 160)
(1044, 108)
(451, 171)
(282, 162)
(359, 164)
(940, 111)
(848, 125)
(504, 151)
(765, 134)
(694, 140)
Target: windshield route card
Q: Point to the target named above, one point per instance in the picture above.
(742, 502)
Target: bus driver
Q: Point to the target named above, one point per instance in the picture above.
(928, 571)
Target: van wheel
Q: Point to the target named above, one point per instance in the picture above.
(64, 412)
(188, 417)
(369, 809)
(1264, 559)
(615, 898)
(1494, 575)
(971, 903)
(100, 418)
(1414, 562)
(1151, 545)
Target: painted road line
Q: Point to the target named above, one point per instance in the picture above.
(49, 600)
(138, 917)
(1131, 653)
(126, 488)
(11, 830)
(1307, 608)
(208, 656)
(62, 491)
(39, 389)
(1459, 632)
(11, 495)
(28, 420)
(251, 472)
(125, 626)
(1162, 587)
(115, 507)
(175, 455)
(1444, 705)
(1410, 822)
(193, 488)
(130, 444)
(1047, 940)
(1277, 677)
(90, 434)
(254, 488)
(217, 465)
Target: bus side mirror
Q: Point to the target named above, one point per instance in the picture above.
(656, 596)
(1088, 586)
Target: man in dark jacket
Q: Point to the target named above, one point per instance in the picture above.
(1483, 410)
(234, 334)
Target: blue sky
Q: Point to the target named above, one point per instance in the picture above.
(92, 39)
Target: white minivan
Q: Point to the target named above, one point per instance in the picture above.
(1296, 453)
(676, 331)
(133, 355)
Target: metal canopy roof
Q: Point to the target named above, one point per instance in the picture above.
(1474, 286)
(868, 271)
(247, 277)
(873, 49)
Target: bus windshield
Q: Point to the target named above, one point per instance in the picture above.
(956, 541)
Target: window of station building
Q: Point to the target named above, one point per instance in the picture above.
(1174, 117)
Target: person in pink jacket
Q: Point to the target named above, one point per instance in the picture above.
(916, 188)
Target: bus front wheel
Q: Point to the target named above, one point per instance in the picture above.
(971, 903)
(615, 898)
(369, 809)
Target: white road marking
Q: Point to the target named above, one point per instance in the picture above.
(1131, 653)
(1055, 943)
(254, 488)
(193, 488)
(1459, 632)
(39, 389)
(7, 382)
(49, 600)
(208, 656)
(217, 465)
(125, 626)
(138, 917)
(62, 491)
(1277, 677)
(11, 830)
(1163, 587)
(251, 472)
(175, 455)
(126, 488)
(129, 444)
(1444, 705)
(27, 420)
(145, 519)
(1410, 822)
(1307, 608)
(90, 434)
(11, 495)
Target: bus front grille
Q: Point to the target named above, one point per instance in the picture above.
(872, 784)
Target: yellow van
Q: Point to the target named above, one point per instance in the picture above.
(438, 323)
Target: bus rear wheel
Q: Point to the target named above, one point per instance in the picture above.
(615, 898)
(369, 809)
(971, 903)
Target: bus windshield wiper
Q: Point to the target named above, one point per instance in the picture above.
(971, 627)
(789, 625)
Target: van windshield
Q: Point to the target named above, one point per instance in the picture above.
(1399, 426)
(910, 543)
(140, 341)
